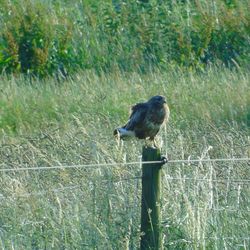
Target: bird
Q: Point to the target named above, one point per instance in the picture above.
(145, 119)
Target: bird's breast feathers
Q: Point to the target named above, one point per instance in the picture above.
(159, 116)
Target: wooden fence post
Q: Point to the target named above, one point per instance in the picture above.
(151, 195)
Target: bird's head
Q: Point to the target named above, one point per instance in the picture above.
(158, 99)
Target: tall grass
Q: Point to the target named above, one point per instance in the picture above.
(46, 123)
(221, 95)
(55, 37)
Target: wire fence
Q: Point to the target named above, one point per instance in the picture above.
(72, 188)
(240, 181)
(203, 240)
(187, 161)
(116, 180)
(75, 187)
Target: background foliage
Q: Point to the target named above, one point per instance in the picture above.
(59, 37)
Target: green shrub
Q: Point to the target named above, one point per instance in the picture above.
(27, 37)
(32, 39)
(54, 37)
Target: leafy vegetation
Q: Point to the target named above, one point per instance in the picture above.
(60, 37)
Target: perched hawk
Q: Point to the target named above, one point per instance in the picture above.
(145, 119)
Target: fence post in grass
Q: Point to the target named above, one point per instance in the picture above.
(151, 195)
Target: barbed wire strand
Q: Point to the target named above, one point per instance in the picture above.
(189, 161)
(74, 187)
(69, 188)
(194, 241)
(222, 209)
(227, 238)
(53, 190)
(220, 180)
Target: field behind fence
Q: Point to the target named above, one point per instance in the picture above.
(205, 204)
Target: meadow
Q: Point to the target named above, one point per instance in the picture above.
(46, 123)
(69, 73)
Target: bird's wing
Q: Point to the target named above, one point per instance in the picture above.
(137, 116)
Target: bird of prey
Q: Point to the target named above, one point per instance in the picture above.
(145, 119)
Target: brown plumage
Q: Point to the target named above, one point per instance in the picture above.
(145, 119)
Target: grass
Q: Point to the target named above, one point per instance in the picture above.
(46, 123)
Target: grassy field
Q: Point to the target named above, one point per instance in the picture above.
(49, 123)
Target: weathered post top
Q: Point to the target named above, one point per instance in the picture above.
(153, 154)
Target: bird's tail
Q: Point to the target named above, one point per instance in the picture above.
(123, 133)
